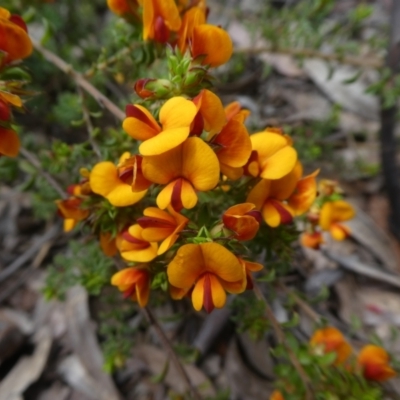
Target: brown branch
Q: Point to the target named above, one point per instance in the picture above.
(80, 80)
(280, 335)
(362, 62)
(168, 346)
(36, 163)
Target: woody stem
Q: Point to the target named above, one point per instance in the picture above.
(280, 335)
(168, 346)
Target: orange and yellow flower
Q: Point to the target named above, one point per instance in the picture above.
(276, 395)
(272, 155)
(133, 247)
(312, 240)
(134, 282)
(9, 142)
(281, 199)
(330, 340)
(122, 7)
(332, 214)
(234, 110)
(159, 225)
(160, 17)
(210, 269)
(212, 43)
(108, 244)
(243, 219)
(186, 168)
(14, 39)
(70, 209)
(374, 361)
(249, 267)
(176, 117)
(115, 182)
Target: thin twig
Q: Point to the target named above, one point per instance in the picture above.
(80, 80)
(280, 335)
(89, 125)
(30, 252)
(113, 59)
(36, 163)
(362, 62)
(168, 346)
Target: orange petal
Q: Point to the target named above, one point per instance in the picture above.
(165, 196)
(217, 292)
(230, 172)
(235, 144)
(12, 99)
(304, 195)
(282, 188)
(375, 363)
(212, 111)
(213, 42)
(107, 244)
(9, 142)
(140, 124)
(198, 294)
(259, 194)
(14, 41)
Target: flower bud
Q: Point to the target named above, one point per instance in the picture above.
(153, 88)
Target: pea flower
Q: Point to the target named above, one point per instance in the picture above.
(330, 340)
(176, 116)
(122, 7)
(108, 244)
(210, 42)
(312, 240)
(115, 182)
(159, 225)
(14, 39)
(9, 142)
(70, 209)
(276, 395)
(281, 199)
(243, 219)
(186, 168)
(250, 267)
(374, 361)
(332, 214)
(134, 282)
(210, 269)
(133, 247)
(234, 111)
(159, 18)
(272, 155)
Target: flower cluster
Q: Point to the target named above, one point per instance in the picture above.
(15, 45)
(190, 148)
(327, 215)
(372, 362)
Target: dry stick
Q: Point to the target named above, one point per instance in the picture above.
(89, 125)
(388, 140)
(281, 339)
(362, 62)
(36, 163)
(167, 345)
(80, 80)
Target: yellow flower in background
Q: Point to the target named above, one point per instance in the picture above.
(70, 209)
(176, 117)
(159, 225)
(186, 168)
(331, 340)
(134, 282)
(374, 361)
(332, 214)
(210, 269)
(272, 155)
(133, 247)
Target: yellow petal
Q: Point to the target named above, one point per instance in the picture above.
(164, 197)
(198, 294)
(142, 255)
(259, 194)
(12, 99)
(279, 164)
(221, 262)
(217, 292)
(177, 112)
(188, 195)
(186, 267)
(212, 111)
(164, 141)
(199, 164)
(271, 215)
